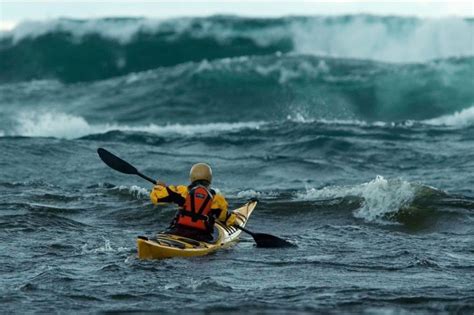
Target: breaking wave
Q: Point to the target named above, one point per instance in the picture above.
(461, 118)
(394, 201)
(301, 88)
(61, 125)
(380, 198)
(68, 126)
(105, 48)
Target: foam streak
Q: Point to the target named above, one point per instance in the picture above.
(61, 125)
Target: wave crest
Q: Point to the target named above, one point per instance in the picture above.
(356, 36)
(262, 88)
(68, 126)
(409, 205)
(62, 125)
(381, 198)
(461, 118)
(112, 47)
(391, 39)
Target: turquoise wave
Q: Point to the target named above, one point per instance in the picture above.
(97, 49)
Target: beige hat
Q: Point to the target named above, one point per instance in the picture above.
(200, 171)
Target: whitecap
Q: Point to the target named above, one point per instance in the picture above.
(134, 190)
(62, 125)
(461, 118)
(380, 196)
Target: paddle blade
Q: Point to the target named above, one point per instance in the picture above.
(115, 162)
(270, 241)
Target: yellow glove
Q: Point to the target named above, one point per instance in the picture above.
(159, 192)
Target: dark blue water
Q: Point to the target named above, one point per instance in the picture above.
(356, 133)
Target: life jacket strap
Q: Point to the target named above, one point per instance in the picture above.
(194, 216)
(197, 215)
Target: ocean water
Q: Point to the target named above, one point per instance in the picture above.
(356, 133)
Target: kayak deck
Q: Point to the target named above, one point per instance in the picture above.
(168, 245)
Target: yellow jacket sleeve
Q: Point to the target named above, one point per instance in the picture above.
(219, 203)
(161, 194)
(182, 190)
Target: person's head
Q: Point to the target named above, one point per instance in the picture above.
(201, 172)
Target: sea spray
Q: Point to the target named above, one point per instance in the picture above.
(135, 191)
(106, 247)
(463, 118)
(67, 126)
(381, 198)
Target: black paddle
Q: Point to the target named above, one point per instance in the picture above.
(266, 240)
(120, 165)
(116, 163)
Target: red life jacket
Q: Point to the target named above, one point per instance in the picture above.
(196, 212)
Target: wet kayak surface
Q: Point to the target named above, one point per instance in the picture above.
(366, 166)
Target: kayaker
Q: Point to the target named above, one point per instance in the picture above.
(199, 205)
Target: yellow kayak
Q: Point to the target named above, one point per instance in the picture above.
(168, 245)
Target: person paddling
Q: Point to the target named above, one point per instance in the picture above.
(199, 205)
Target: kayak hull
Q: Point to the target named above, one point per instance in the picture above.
(168, 245)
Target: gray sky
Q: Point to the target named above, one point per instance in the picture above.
(12, 12)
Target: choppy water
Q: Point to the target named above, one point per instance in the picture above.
(362, 155)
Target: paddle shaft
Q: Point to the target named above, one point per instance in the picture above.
(244, 229)
(146, 177)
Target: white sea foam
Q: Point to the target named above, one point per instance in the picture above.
(249, 194)
(58, 125)
(136, 191)
(380, 196)
(286, 74)
(459, 119)
(462, 118)
(61, 125)
(121, 30)
(396, 40)
(366, 37)
(105, 248)
(299, 117)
